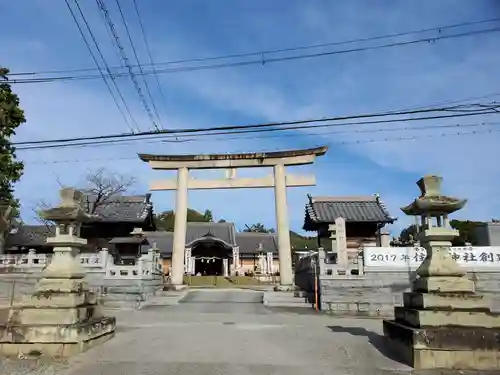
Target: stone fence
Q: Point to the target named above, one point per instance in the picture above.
(376, 283)
(148, 266)
(117, 284)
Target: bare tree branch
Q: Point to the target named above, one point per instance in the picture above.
(101, 187)
(104, 186)
(42, 206)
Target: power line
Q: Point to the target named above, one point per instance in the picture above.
(264, 125)
(281, 50)
(203, 137)
(143, 32)
(138, 62)
(266, 61)
(106, 64)
(102, 7)
(99, 68)
(366, 141)
(243, 129)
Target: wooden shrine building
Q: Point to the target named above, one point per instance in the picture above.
(365, 218)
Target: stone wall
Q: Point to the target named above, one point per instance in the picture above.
(376, 293)
(13, 286)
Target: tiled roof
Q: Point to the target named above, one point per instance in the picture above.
(252, 242)
(163, 241)
(247, 241)
(29, 235)
(352, 209)
(223, 231)
(134, 208)
(130, 240)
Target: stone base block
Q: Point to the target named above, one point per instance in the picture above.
(434, 318)
(443, 284)
(60, 285)
(55, 350)
(445, 301)
(57, 299)
(459, 348)
(48, 315)
(55, 340)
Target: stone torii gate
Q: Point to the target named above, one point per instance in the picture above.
(280, 180)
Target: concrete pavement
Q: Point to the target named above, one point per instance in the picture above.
(231, 332)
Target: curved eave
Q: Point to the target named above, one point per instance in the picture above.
(318, 151)
(424, 206)
(209, 239)
(312, 225)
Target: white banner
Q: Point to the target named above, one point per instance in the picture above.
(412, 257)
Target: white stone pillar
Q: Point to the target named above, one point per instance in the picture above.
(193, 266)
(262, 264)
(284, 248)
(103, 257)
(322, 261)
(385, 239)
(236, 258)
(187, 261)
(270, 267)
(341, 242)
(225, 267)
(180, 225)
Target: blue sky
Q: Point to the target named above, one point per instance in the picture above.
(43, 36)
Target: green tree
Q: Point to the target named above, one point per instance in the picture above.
(407, 236)
(299, 242)
(11, 116)
(467, 229)
(208, 216)
(165, 220)
(258, 227)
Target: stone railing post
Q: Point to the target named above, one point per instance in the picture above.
(140, 267)
(103, 258)
(361, 265)
(31, 257)
(322, 261)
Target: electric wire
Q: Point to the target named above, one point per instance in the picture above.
(105, 12)
(482, 111)
(150, 55)
(439, 29)
(352, 142)
(246, 131)
(122, 15)
(245, 136)
(262, 61)
(100, 70)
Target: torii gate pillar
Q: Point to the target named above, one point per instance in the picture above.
(279, 180)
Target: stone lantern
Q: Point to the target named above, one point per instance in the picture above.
(442, 323)
(434, 232)
(61, 317)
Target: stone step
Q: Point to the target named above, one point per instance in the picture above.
(292, 301)
(288, 304)
(285, 299)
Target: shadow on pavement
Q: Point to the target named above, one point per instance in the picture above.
(378, 341)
